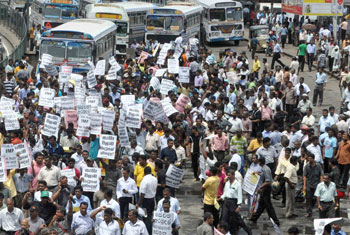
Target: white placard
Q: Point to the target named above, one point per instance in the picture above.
(250, 182)
(2, 169)
(11, 121)
(46, 97)
(174, 176)
(91, 79)
(134, 113)
(107, 147)
(83, 109)
(51, 126)
(184, 74)
(67, 103)
(5, 99)
(100, 68)
(63, 77)
(83, 126)
(91, 64)
(123, 136)
(320, 224)
(108, 120)
(95, 124)
(51, 70)
(92, 101)
(168, 108)
(9, 153)
(24, 157)
(155, 83)
(165, 86)
(162, 223)
(160, 73)
(66, 69)
(91, 179)
(173, 66)
(127, 99)
(46, 59)
(154, 111)
(112, 73)
(70, 174)
(163, 53)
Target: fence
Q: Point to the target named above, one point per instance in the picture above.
(14, 23)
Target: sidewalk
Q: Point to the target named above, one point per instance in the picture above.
(10, 39)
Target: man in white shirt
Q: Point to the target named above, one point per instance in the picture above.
(174, 203)
(50, 173)
(134, 225)
(311, 52)
(308, 119)
(148, 189)
(106, 224)
(235, 158)
(126, 187)
(109, 202)
(315, 149)
(236, 123)
(11, 217)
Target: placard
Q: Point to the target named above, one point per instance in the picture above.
(184, 74)
(63, 77)
(232, 77)
(46, 59)
(112, 73)
(92, 101)
(181, 103)
(173, 66)
(100, 68)
(83, 109)
(83, 126)
(51, 125)
(24, 158)
(144, 55)
(107, 147)
(9, 153)
(91, 179)
(123, 136)
(95, 124)
(250, 182)
(168, 108)
(163, 53)
(70, 174)
(51, 70)
(162, 223)
(165, 86)
(91, 79)
(46, 97)
(108, 120)
(3, 169)
(112, 61)
(66, 69)
(67, 103)
(134, 113)
(155, 83)
(160, 73)
(71, 116)
(174, 176)
(11, 121)
(127, 99)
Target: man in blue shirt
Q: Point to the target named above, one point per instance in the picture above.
(284, 32)
(169, 152)
(325, 121)
(277, 51)
(321, 80)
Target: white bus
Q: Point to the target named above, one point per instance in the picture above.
(165, 24)
(116, 14)
(51, 13)
(79, 41)
(137, 15)
(222, 21)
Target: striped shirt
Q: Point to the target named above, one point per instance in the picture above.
(9, 86)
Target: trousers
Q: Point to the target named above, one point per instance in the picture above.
(310, 199)
(318, 93)
(327, 210)
(290, 200)
(231, 217)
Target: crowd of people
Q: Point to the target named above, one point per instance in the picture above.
(232, 119)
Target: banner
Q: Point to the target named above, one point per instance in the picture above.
(9, 153)
(162, 223)
(323, 7)
(71, 116)
(184, 74)
(51, 125)
(293, 6)
(46, 97)
(83, 126)
(91, 179)
(24, 158)
(250, 182)
(174, 176)
(107, 147)
(181, 103)
(70, 174)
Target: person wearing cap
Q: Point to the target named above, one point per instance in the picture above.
(36, 224)
(46, 208)
(304, 103)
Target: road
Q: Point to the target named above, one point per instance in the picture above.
(189, 194)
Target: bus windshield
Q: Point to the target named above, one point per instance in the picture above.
(122, 28)
(57, 49)
(217, 14)
(173, 23)
(79, 52)
(234, 14)
(61, 11)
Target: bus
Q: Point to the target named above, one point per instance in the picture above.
(116, 14)
(222, 21)
(52, 13)
(77, 42)
(166, 23)
(137, 14)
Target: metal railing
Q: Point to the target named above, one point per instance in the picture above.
(15, 23)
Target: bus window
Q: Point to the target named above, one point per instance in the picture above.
(234, 14)
(57, 49)
(155, 21)
(122, 28)
(217, 14)
(174, 23)
(52, 11)
(79, 52)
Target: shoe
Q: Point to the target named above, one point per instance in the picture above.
(275, 197)
(308, 215)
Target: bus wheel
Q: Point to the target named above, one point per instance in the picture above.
(236, 42)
